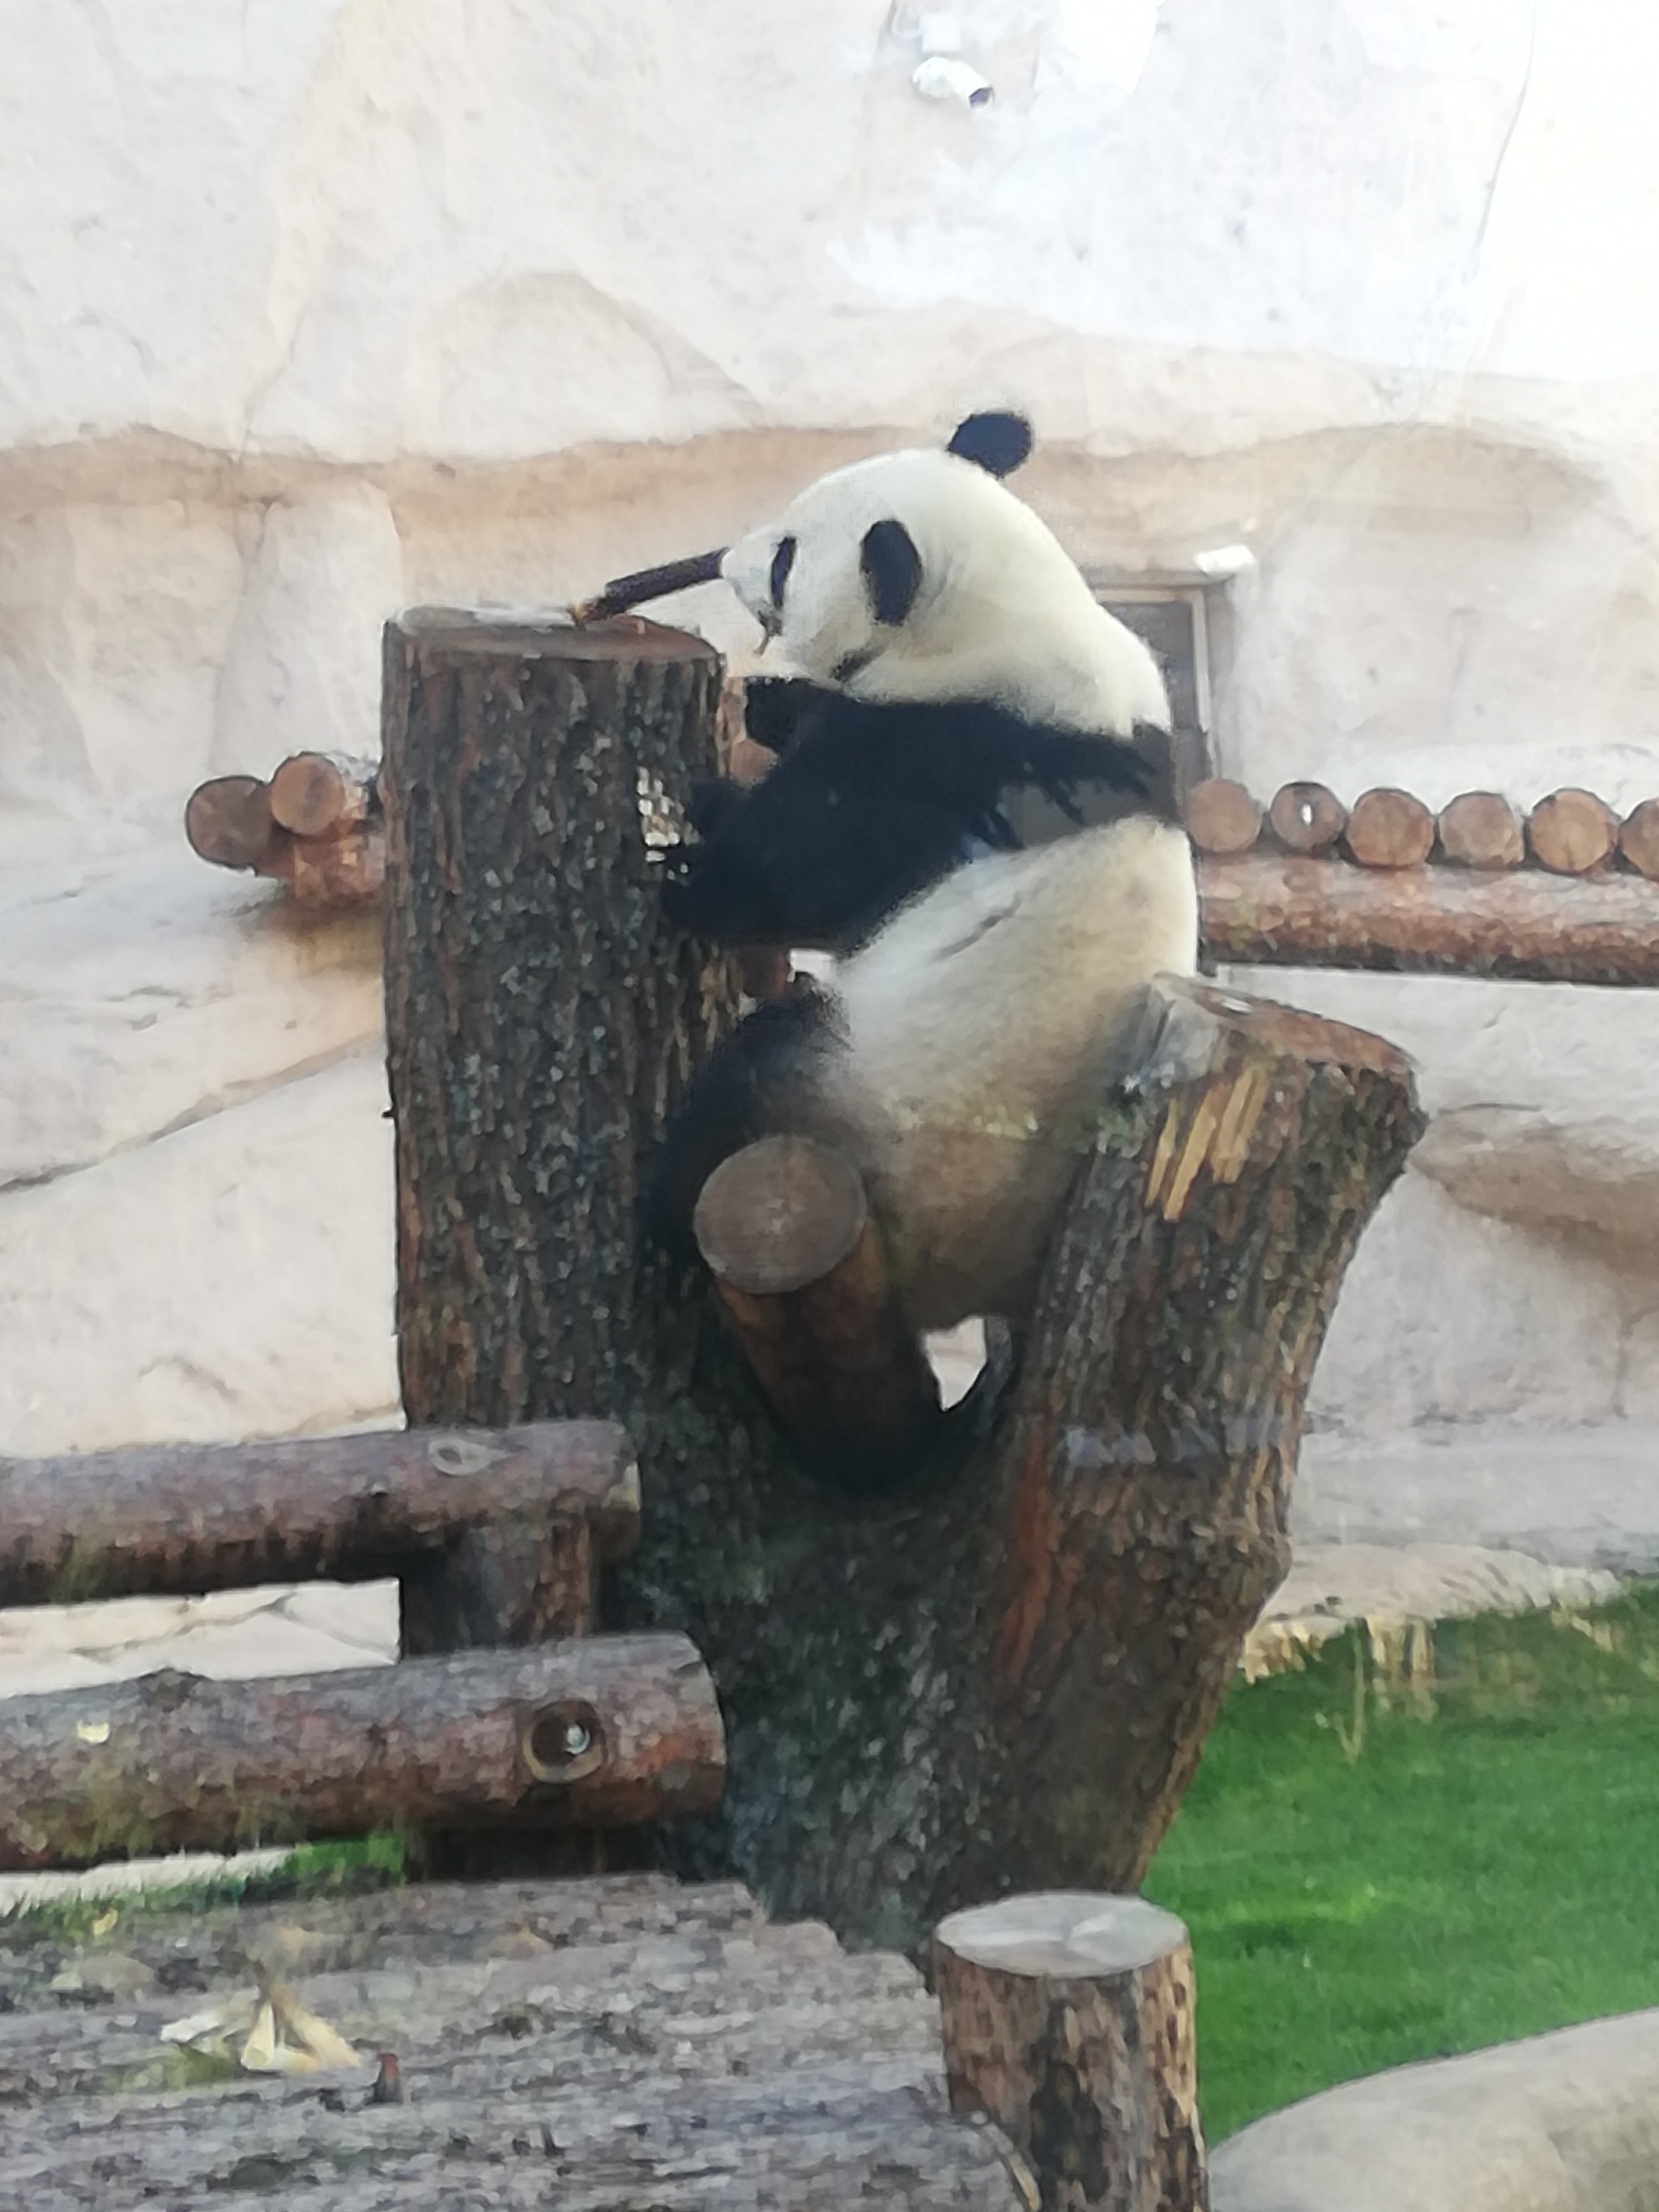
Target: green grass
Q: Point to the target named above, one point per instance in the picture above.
(1396, 1855)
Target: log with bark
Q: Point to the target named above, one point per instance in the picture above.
(999, 1673)
(1068, 2020)
(570, 2046)
(1522, 925)
(593, 1732)
(494, 1538)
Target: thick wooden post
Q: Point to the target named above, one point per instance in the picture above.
(998, 1676)
(1068, 2020)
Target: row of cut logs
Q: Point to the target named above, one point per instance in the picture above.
(315, 826)
(1571, 833)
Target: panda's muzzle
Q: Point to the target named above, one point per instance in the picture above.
(625, 591)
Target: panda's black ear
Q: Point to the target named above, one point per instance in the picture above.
(892, 571)
(997, 443)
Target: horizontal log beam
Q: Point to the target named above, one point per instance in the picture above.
(1523, 925)
(162, 1520)
(594, 1733)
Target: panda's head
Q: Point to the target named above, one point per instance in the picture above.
(918, 576)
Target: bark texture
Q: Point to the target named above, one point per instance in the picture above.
(455, 1518)
(1522, 925)
(1068, 2020)
(999, 1678)
(600, 1732)
(591, 2047)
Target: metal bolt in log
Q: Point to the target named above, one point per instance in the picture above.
(1068, 2020)
(1221, 817)
(798, 1267)
(1572, 832)
(228, 821)
(1307, 817)
(1638, 838)
(319, 794)
(1482, 830)
(173, 1762)
(494, 1535)
(1523, 926)
(1388, 829)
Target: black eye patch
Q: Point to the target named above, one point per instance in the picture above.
(782, 562)
(892, 571)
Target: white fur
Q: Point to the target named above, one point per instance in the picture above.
(984, 1023)
(1002, 614)
(987, 1022)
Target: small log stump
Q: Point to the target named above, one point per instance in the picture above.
(1388, 829)
(1482, 830)
(1572, 832)
(799, 1266)
(1307, 817)
(597, 1732)
(1068, 2020)
(1221, 817)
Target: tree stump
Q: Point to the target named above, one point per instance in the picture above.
(999, 1675)
(1068, 2020)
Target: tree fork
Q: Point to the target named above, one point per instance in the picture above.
(999, 1676)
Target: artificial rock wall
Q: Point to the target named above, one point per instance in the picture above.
(313, 308)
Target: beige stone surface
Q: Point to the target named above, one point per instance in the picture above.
(231, 1278)
(1561, 2123)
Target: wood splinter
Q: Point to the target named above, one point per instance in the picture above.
(1068, 2020)
(787, 1232)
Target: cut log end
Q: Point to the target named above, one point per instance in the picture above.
(1389, 828)
(1572, 832)
(801, 1275)
(1482, 830)
(1307, 817)
(1638, 838)
(1221, 817)
(228, 821)
(780, 1214)
(1068, 2020)
(315, 794)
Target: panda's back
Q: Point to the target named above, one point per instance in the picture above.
(980, 1024)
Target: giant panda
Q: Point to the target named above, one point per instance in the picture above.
(947, 655)
(961, 1051)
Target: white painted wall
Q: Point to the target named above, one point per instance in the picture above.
(310, 308)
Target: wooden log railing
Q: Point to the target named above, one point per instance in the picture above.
(495, 1537)
(593, 1733)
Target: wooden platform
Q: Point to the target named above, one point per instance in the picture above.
(614, 2042)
